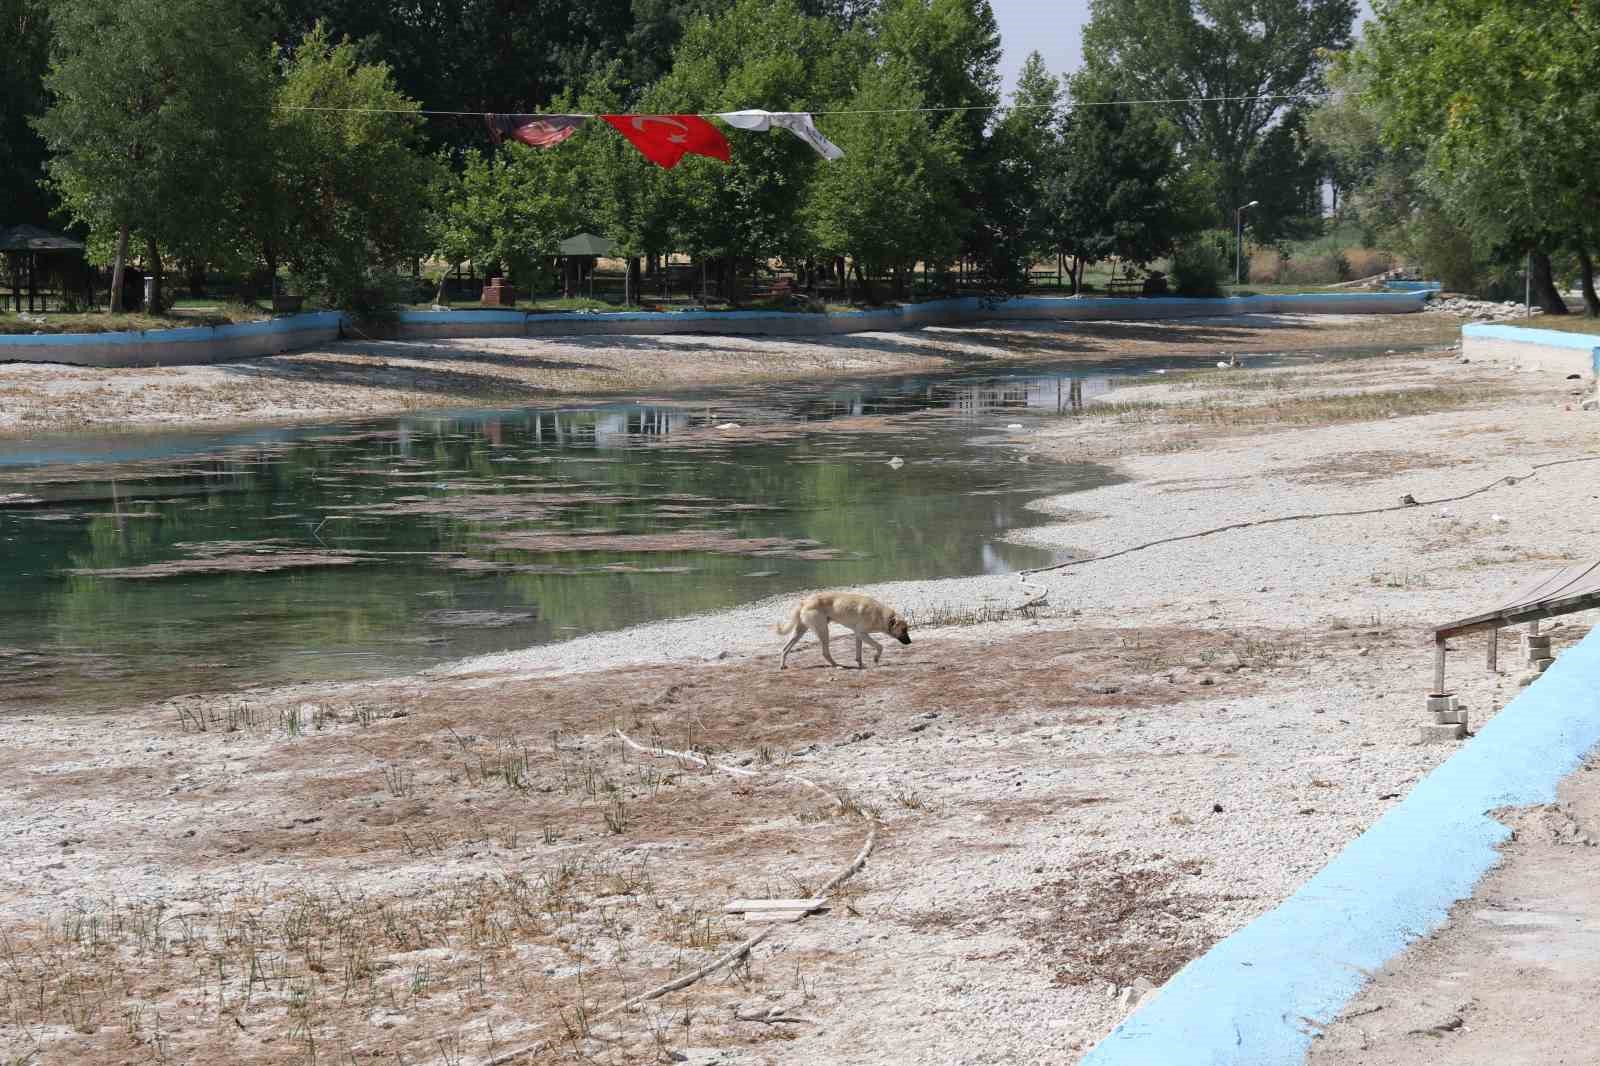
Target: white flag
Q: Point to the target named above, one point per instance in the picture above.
(796, 122)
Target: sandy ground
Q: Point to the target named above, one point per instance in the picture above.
(379, 377)
(446, 868)
(1511, 978)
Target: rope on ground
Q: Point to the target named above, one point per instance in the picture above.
(1406, 502)
(744, 947)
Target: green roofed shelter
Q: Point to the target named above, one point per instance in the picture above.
(578, 256)
(588, 244)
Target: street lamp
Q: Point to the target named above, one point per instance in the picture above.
(1238, 252)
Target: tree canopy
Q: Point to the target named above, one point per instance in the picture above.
(938, 166)
(1238, 67)
(1498, 102)
(155, 106)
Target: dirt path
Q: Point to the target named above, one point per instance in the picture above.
(1511, 978)
(382, 377)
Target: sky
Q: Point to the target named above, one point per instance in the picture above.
(1053, 28)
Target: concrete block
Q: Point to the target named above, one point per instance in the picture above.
(1542, 665)
(1458, 716)
(1440, 734)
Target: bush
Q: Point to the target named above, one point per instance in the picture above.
(1445, 251)
(1365, 262)
(1198, 269)
(1273, 266)
(1265, 266)
(369, 294)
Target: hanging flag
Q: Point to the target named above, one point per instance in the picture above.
(798, 123)
(535, 131)
(665, 139)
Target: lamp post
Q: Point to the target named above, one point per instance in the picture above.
(1238, 250)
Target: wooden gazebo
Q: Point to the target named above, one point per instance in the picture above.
(25, 246)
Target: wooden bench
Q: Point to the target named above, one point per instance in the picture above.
(1125, 287)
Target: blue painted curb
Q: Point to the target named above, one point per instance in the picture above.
(181, 334)
(904, 316)
(1412, 286)
(1255, 998)
(1551, 338)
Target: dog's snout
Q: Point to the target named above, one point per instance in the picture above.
(905, 638)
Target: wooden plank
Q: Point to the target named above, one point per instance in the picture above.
(1438, 664)
(801, 905)
(1516, 616)
(1493, 658)
(773, 917)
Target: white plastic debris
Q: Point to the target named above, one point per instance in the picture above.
(729, 425)
(897, 462)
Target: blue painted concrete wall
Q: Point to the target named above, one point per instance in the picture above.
(287, 324)
(171, 347)
(1248, 1000)
(1552, 338)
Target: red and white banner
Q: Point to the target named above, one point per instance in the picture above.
(663, 139)
(535, 131)
(666, 139)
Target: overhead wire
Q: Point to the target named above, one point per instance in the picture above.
(1071, 105)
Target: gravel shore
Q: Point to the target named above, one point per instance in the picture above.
(1075, 799)
(362, 378)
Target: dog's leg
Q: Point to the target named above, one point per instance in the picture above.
(799, 631)
(877, 649)
(859, 635)
(822, 635)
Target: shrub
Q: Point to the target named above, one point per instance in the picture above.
(1365, 262)
(1198, 269)
(1266, 266)
(1445, 251)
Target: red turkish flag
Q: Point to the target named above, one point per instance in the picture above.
(665, 139)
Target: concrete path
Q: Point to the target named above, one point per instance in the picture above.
(1511, 980)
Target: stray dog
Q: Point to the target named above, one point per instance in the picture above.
(863, 614)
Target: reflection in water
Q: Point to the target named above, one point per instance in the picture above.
(200, 561)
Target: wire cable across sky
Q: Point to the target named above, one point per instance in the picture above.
(873, 111)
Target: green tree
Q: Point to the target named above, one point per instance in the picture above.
(1501, 100)
(948, 53)
(1119, 188)
(25, 27)
(511, 208)
(1382, 186)
(895, 197)
(498, 55)
(1232, 61)
(1023, 147)
(350, 177)
(757, 54)
(157, 108)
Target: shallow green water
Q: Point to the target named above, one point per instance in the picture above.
(420, 539)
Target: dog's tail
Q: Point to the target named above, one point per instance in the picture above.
(785, 627)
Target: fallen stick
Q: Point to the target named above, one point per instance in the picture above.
(743, 947)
